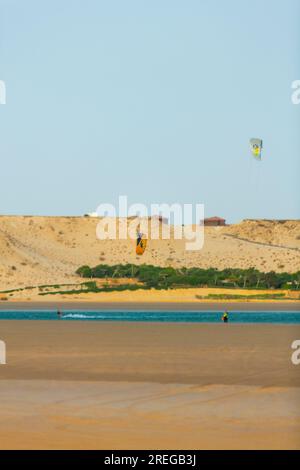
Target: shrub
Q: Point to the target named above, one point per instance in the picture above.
(84, 271)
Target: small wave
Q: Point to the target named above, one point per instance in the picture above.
(82, 316)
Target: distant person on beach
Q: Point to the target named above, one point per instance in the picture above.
(225, 317)
(59, 314)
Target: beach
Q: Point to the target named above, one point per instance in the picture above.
(91, 302)
(127, 386)
(149, 227)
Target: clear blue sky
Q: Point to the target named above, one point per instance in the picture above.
(152, 99)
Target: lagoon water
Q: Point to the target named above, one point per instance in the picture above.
(155, 316)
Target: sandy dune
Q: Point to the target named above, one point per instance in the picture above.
(48, 250)
(267, 232)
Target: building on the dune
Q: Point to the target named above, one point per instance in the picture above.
(160, 218)
(91, 214)
(214, 222)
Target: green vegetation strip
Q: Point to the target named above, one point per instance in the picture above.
(46, 286)
(165, 278)
(156, 277)
(245, 297)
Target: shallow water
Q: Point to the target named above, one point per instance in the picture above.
(155, 316)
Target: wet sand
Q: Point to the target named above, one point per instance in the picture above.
(113, 385)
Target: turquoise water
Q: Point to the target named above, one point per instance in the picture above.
(143, 316)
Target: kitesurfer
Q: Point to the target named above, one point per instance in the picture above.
(225, 317)
(139, 238)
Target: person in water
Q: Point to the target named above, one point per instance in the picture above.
(225, 317)
(59, 314)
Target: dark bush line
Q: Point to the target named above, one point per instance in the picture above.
(164, 278)
(92, 287)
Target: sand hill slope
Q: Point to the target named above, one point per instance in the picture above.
(284, 233)
(48, 250)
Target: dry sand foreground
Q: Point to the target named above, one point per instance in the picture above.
(104, 385)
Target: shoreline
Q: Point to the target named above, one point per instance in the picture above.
(204, 306)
